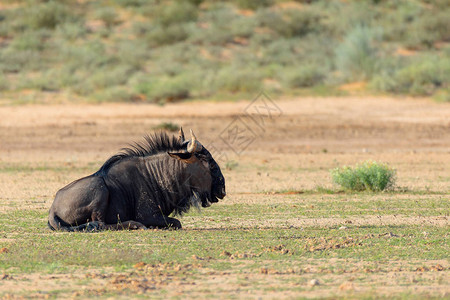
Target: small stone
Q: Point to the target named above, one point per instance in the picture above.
(314, 282)
(343, 227)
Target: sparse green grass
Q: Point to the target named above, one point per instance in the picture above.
(36, 249)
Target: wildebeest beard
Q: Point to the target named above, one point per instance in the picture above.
(196, 200)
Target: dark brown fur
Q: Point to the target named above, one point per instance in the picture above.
(140, 188)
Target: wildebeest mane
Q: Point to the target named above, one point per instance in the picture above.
(151, 145)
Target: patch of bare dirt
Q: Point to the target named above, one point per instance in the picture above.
(325, 222)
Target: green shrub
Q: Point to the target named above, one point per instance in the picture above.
(252, 4)
(369, 175)
(243, 26)
(111, 76)
(48, 15)
(168, 126)
(89, 56)
(40, 82)
(219, 31)
(166, 35)
(176, 13)
(356, 56)
(231, 165)
(71, 31)
(162, 90)
(108, 15)
(14, 61)
(442, 95)
(303, 76)
(281, 51)
(131, 52)
(421, 76)
(30, 40)
(115, 94)
(429, 28)
(4, 84)
(398, 26)
(132, 3)
(237, 79)
(290, 22)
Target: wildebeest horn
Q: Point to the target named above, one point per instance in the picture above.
(194, 145)
(181, 135)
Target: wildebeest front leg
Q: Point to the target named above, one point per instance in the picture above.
(164, 222)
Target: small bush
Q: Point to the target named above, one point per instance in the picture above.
(114, 75)
(422, 77)
(281, 51)
(304, 76)
(231, 165)
(71, 31)
(4, 85)
(41, 82)
(369, 175)
(14, 61)
(356, 57)
(115, 94)
(108, 15)
(48, 15)
(132, 3)
(290, 23)
(442, 95)
(237, 80)
(176, 13)
(30, 40)
(222, 27)
(131, 52)
(252, 4)
(163, 90)
(168, 126)
(166, 35)
(428, 29)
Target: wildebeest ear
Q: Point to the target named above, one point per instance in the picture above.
(184, 156)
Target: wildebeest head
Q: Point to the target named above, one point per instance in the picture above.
(205, 173)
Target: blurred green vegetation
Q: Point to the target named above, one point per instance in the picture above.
(162, 51)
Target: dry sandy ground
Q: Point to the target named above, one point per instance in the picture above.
(303, 125)
(279, 145)
(308, 135)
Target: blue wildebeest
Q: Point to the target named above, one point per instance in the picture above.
(140, 187)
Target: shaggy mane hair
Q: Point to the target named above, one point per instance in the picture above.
(151, 145)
